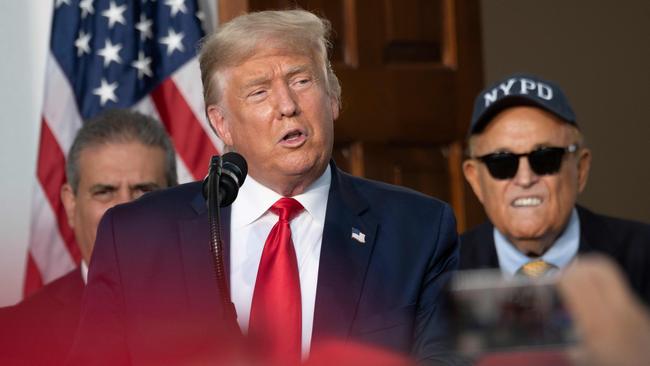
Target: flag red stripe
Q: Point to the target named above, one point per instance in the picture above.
(51, 175)
(33, 279)
(190, 140)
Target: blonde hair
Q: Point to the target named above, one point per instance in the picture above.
(239, 39)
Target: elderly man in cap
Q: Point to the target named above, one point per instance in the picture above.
(527, 164)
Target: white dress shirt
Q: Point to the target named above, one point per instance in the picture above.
(560, 254)
(250, 224)
(84, 271)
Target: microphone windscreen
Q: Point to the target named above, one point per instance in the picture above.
(233, 174)
(236, 164)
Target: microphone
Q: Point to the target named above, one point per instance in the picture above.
(230, 169)
(225, 175)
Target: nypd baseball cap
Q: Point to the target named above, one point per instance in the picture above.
(520, 90)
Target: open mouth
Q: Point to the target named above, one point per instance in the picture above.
(293, 135)
(293, 138)
(527, 202)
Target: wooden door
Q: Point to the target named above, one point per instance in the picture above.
(409, 70)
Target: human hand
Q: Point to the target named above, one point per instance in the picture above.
(613, 324)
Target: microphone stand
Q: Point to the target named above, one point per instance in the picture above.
(216, 244)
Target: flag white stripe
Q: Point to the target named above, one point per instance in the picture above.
(147, 106)
(184, 174)
(59, 107)
(46, 244)
(185, 79)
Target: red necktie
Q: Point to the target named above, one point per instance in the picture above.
(276, 312)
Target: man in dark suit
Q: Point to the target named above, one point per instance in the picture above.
(115, 158)
(312, 253)
(527, 165)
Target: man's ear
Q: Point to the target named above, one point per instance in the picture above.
(584, 165)
(220, 123)
(69, 200)
(470, 170)
(335, 106)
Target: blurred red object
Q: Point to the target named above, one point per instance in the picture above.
(353, 354)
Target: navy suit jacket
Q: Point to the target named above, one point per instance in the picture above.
(40, 330)
(152, 296)
(627, 242)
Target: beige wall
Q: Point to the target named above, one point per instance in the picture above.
(599, 52)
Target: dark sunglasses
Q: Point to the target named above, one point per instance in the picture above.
(543, 161)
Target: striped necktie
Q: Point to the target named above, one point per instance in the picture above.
(535, 269)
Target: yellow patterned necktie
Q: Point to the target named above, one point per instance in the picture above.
(535, 269)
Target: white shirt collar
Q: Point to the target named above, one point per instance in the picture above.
(254, 200)
(560, 254)
(84, 271)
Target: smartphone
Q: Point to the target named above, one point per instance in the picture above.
(493, 313)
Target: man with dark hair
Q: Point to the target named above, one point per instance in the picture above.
(115, 158)
(312, 254)
(527, 164)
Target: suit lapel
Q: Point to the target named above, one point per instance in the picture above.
(489, 254)
(197, 258)
(343, 259)
(585, 244)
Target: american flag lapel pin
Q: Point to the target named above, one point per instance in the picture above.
(358, 235)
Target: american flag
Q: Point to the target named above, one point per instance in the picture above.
(113, 54)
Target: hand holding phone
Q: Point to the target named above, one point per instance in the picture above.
(491, 313)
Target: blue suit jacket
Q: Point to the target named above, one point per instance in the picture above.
(152, 296)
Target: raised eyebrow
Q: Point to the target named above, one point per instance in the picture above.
(262, 80)
(293, 70)
(256, 82)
